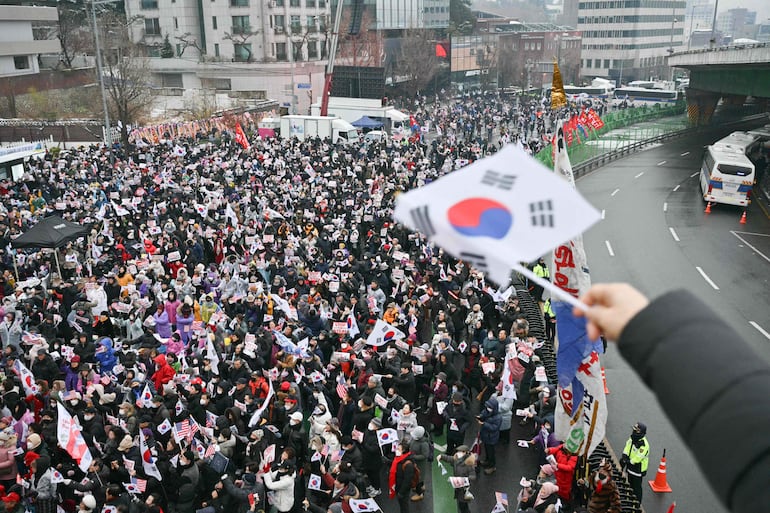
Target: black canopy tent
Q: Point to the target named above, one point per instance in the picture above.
(51, 232)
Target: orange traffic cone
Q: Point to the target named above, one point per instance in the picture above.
(672, 507)
(708, 208)
(743, 218)
(604, 380)
(660, 484)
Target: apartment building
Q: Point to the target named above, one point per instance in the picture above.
(24, 36)
(245, 48)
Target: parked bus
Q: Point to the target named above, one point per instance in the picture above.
(727, 173)
(638, 96)
(599, 89)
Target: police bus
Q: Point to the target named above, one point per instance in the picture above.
(727, 173)
(638, 96)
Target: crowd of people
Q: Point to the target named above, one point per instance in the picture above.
(212, 335)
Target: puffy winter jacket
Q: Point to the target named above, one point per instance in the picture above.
(490, 429)
(283, 486)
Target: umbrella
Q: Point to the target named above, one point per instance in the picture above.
(52, 232)
(366, 122)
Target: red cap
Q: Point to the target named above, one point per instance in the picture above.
(75, 359)
(285, 386)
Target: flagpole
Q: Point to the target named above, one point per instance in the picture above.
(564, 296)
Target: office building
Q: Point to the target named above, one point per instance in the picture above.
(626, 40)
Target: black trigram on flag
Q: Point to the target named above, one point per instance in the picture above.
(421, 219)
(499, 180)
(541, 213)
(477, 261)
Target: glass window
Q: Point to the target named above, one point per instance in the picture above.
(241, 25)
(606, 63)
(311, 23)
(149, 4)
(21, 62)
(279, 3)
(239, 3)
(279, 22)
(214, 22)
(242, 52)
(280, 51)
(152, 26)
(309, 3)
(293, 3)
(312, 50)
(216, 49)
(296, 24)
(297, 49)
(176, 22)
(178, 50)
(597, 63)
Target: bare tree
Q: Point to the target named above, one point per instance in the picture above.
(241, 38)
(126, 76)
(74, 31)
(187, 40)
(416, 61)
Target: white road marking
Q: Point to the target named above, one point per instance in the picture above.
(609, 248)
(602, 213)
(640, 174)
(615, 192)
(665, 207)
(676, 188)
(706, 277)
(758, 252)
(760, 329)
(684, 154)
(661, 162)
(695, 174)
(673, 233)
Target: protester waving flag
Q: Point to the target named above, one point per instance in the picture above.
(145, 398)
(581, 407)
(148, 461)
(496, 212)
(387, 436)
(384, 333)
(26, 377)
(70, 439)
(352, 325)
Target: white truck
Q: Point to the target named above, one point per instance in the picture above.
(305, 127)
(353, 109)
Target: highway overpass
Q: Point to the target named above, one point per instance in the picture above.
(731, 73)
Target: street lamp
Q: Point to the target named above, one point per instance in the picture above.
(100, 70)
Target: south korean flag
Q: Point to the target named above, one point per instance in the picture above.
(497, 212)
(314, 483)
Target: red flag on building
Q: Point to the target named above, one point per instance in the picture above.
(240, 137)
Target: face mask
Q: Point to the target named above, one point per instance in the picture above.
(204, 402)
(88, 417)
(399, 452)
(372, 427)
(460, 455)
(74, 402)
(293, 422)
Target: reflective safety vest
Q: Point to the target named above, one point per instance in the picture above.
(541, 271)
(638, 457)
(547, 310)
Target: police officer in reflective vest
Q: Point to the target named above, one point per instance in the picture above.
(550, 320)
(540, 270)
(635, 458)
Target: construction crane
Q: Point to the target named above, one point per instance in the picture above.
(357, 16)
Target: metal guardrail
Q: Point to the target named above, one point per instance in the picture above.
(628, 501)
(598, 161)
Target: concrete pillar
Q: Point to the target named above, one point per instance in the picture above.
(700, 106)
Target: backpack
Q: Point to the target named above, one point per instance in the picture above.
(416, 478)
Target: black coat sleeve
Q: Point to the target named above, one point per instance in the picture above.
(713, 387)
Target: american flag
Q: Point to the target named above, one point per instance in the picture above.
(342, 390)
(182, 429)
(210, 450)
(141, 484)
(501, 498)
(194, 427)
